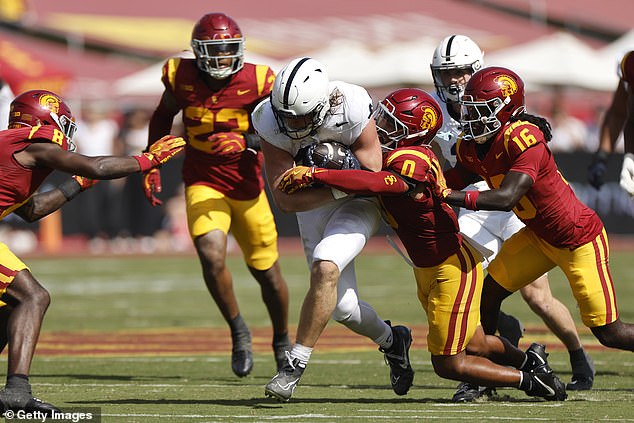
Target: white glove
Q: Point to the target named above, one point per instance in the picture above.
(627, 173)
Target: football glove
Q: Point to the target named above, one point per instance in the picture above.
(296, 178)
(160, 152)
(597, 169)
(84, 183)
(627, 173)
(151, 185)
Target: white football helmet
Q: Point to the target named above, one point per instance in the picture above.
(300, 97)
(455, 56)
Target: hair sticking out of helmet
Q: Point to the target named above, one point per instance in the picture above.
(492, 97)
(42, 107)
(406, 117)
(300, 97)
(218, 44)
(455, 59)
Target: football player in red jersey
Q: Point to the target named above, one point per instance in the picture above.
(38, 141)
(508, 148)
(224, 189)
(407, 120)
(618, 118)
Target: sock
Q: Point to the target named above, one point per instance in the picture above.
(239, 331)
(386, 339)
(525, 381)
(280, 340)
(525, 361)
(579, 362)
(301, 353)
(18, 382)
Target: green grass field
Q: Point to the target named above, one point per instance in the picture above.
(131, 295)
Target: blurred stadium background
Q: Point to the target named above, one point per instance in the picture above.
(105, 58)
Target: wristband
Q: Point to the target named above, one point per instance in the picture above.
(337, 194)
(470, 198)
(70, 189)
(144, 162)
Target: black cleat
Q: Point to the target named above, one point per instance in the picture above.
(468, 392)
(546, 385)
(536, 359)
(283, 384)
(397, 357)
(242, 362)
(510, 328)
(241, 354)
(25, 401)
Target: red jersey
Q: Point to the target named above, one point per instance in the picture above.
(214, 122)
(18, 183)
(427, 226)
(550, 207)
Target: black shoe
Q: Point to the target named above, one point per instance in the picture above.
(536, 359)
(547, 386)
(283, 384)
(17, 401)
(580, 383)
(397, 357)
(242, 362)
(241, 354)
(468, 392)
(510, 328)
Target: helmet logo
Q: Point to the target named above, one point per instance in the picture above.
(507, 84)
(50, 102)
(429, 118)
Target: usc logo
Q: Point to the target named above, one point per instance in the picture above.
(50, 102)
(507, 84)
(390, 180)
(429, 118)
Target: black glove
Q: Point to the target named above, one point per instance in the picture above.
(597, 169)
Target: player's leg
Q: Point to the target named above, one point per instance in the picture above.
(451, 334)
(557, 317)
(209, 219)
(488, 228)
(519, 262)
(588, 273)
(28, 301)
(253, 227)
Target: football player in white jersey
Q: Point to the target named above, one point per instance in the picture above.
(306, 107)
(455, 59)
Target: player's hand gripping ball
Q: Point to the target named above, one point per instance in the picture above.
(328, 155)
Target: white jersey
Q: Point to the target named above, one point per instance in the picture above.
(343, 123)
(336, 231)
(448, 134)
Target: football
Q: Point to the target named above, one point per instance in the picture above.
(328, 155)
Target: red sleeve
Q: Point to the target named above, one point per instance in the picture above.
(362, 181)
(525, 145)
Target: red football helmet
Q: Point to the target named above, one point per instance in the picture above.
(218, 45)
(42, 107)
(492, 96)
(407, 116)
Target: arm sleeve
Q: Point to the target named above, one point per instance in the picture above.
(362, 182)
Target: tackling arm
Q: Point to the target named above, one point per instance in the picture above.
(362, 182)
(512, 189)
